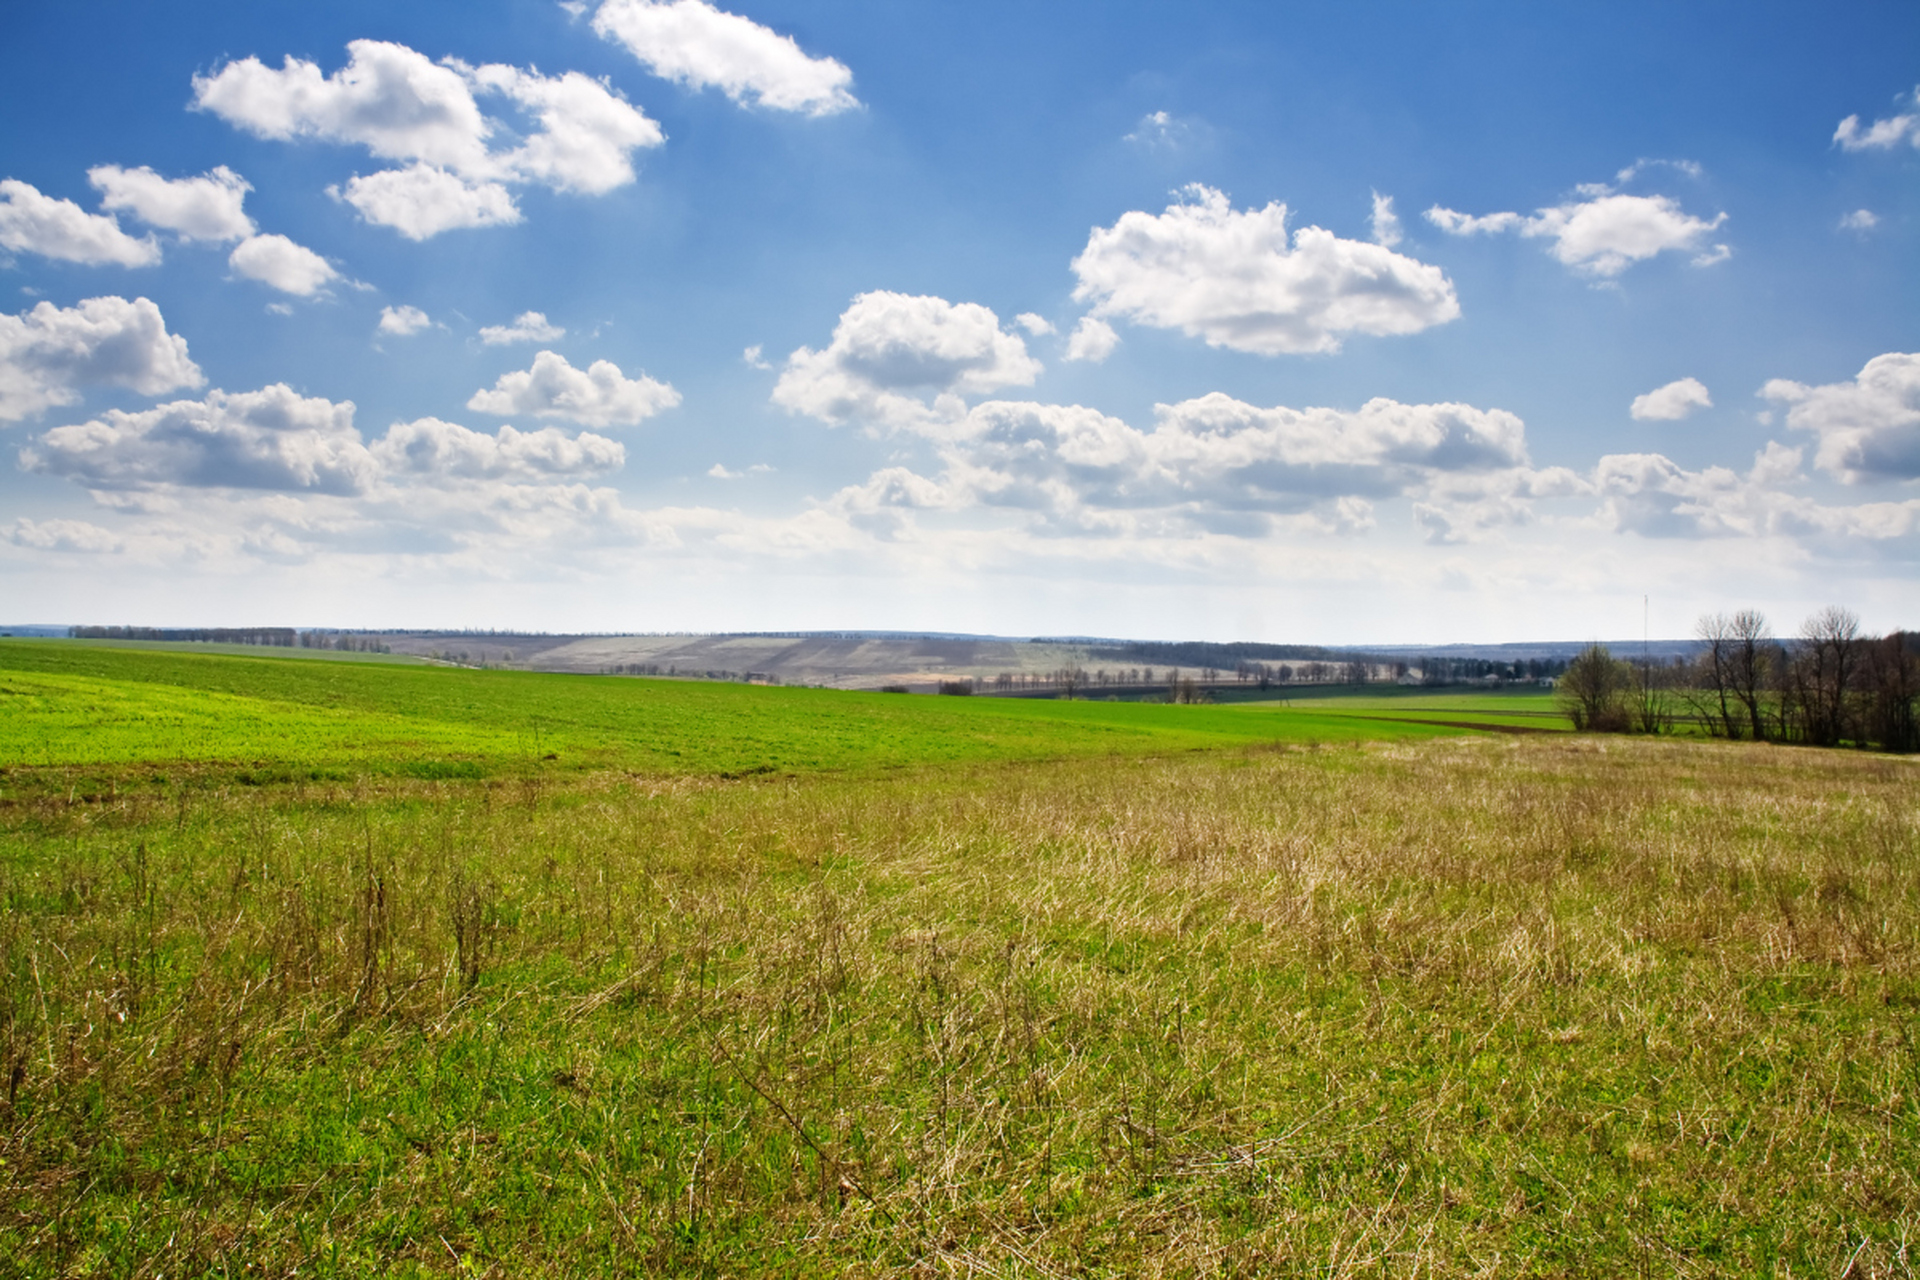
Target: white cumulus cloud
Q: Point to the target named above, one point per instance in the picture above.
(1602, 234)
(1220, 465)
(695, 44)
(430, 447)
(393, 100)
(421, 201)
(1885, 134)
(1868, 428)
(586, 136)
(403, 321)
(528, 326)
(1859, 220)
(1037, 325)
(1092, 340)
(271, 439)
(597, 396)
(1233, 278)
(720, 471)
(49, 353)
(1605, 236)
(891, 350)
(63, 535)
(31, 222)
(209, 207)
(401, 105)
(1672, 402)
(279, 263)
(1455, 223)
(1655, 497)
(1386, 223)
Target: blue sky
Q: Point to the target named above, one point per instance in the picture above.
(1280, 322)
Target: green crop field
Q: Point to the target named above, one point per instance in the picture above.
(82, 704)
(1505, 709)
(318, 968)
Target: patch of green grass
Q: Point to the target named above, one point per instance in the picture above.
(86, 706)
(222, 649)
(1532, 1006)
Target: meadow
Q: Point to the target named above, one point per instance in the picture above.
(745, 982)
(83, 705)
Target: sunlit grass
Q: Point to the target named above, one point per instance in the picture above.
(73, 705)
(1540, 1005)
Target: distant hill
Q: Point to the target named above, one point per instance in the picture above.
(917, 660)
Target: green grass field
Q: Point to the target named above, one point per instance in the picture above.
(323, 969)
(1506, 709)
(86, 705)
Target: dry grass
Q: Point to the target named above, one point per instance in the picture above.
(1504, 1007)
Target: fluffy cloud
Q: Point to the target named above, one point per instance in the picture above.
(49, 353)
(891, 350)
(421, 201)
(1455, 223)
(278, 262)
(1233, 279)
(1217, 464)
(1463, 506)
(586, 133)
(209, 207)
(34, 223)
(1859, 220)
(431, 447)
(528, 326)
(394, 101)
(1869, 428)
(1606, 235)
(598, 396)
(1037, 325)
(1884, 134)
(697, 45)
(278, 441)
(1386, 223)
(1651, 495)
(403, 106)
(1672, 402)
(272, 475)
(403, 321)
(1602, 234)
(1092, 340)
(271, 439)
(62, 535)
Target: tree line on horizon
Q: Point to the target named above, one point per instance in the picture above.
(1831, 684)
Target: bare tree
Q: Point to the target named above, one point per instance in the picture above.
(1892, 679)
(1070, 678)
(1652, 704)
(1822, 672)
(1594, 691)
(1737, 665)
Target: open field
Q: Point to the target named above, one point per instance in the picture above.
(67, 704)
(243, 650)
(1202, 1004)
(1518, 708)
